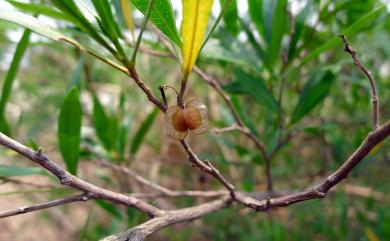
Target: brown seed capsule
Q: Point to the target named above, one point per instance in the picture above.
(193, 117)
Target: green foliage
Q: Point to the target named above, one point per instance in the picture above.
(110, 208)
(77, 74)
(314, 91)
(69, 130)
(9, 79)
(162, 16)
(254, 86)
(34, 9)
(281, 64)
(230, 17)
(353, 28)
(106, 125)
(142, 131)
(12, 171)
(106, 20)
(32, 23)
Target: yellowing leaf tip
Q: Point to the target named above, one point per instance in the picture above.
(196, 14)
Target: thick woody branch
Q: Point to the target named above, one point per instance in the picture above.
(369, 75)
(141, 232)
(77, 198)
(72, 181)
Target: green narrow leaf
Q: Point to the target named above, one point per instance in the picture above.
(69, 130)
(12, 171)
(299, 28)
(77, 74)
(275, 23)
(110, 208)
(31, 23)
(260, 51)
(161, 16)
(39, 9)
(230, 17)
(256, 14)
(102, 124)
(10, 77)
(70, 9)
(106, 21)
(244, 114)
(142, 131)
(83, 231)
(355, 27)
(255, 87)
(43, 29)
(314, 91)
(241, 56)
(123, 136)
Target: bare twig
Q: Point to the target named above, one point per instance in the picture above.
(133, 74)
(369, 75)
(319, 191)
(163, 191)
(77, 198)
(207, 167)
(233, 127)
(72, 181)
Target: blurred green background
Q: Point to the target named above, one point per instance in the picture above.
(284, 67)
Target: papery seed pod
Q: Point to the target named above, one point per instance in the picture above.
(203, 112)
(175, 123)
(193, 117)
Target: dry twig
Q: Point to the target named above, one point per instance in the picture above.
(369, 75)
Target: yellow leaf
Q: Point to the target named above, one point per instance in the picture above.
(126, 10)
(196, 14)
(370, 234)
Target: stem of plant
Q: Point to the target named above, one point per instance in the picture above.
(143, 27)
(180, 97)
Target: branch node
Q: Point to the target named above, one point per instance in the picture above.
(21, 209)
(66, 180)
(370, 77)
(39, 153)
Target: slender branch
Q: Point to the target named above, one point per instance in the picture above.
(369, 75)
(92, 53)
(67, 179)
(70, 199)
(207, 167)
(145, 88)
(163, 191)
(319, 191)
(233, 127)
(143, 27)
(180, 97)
